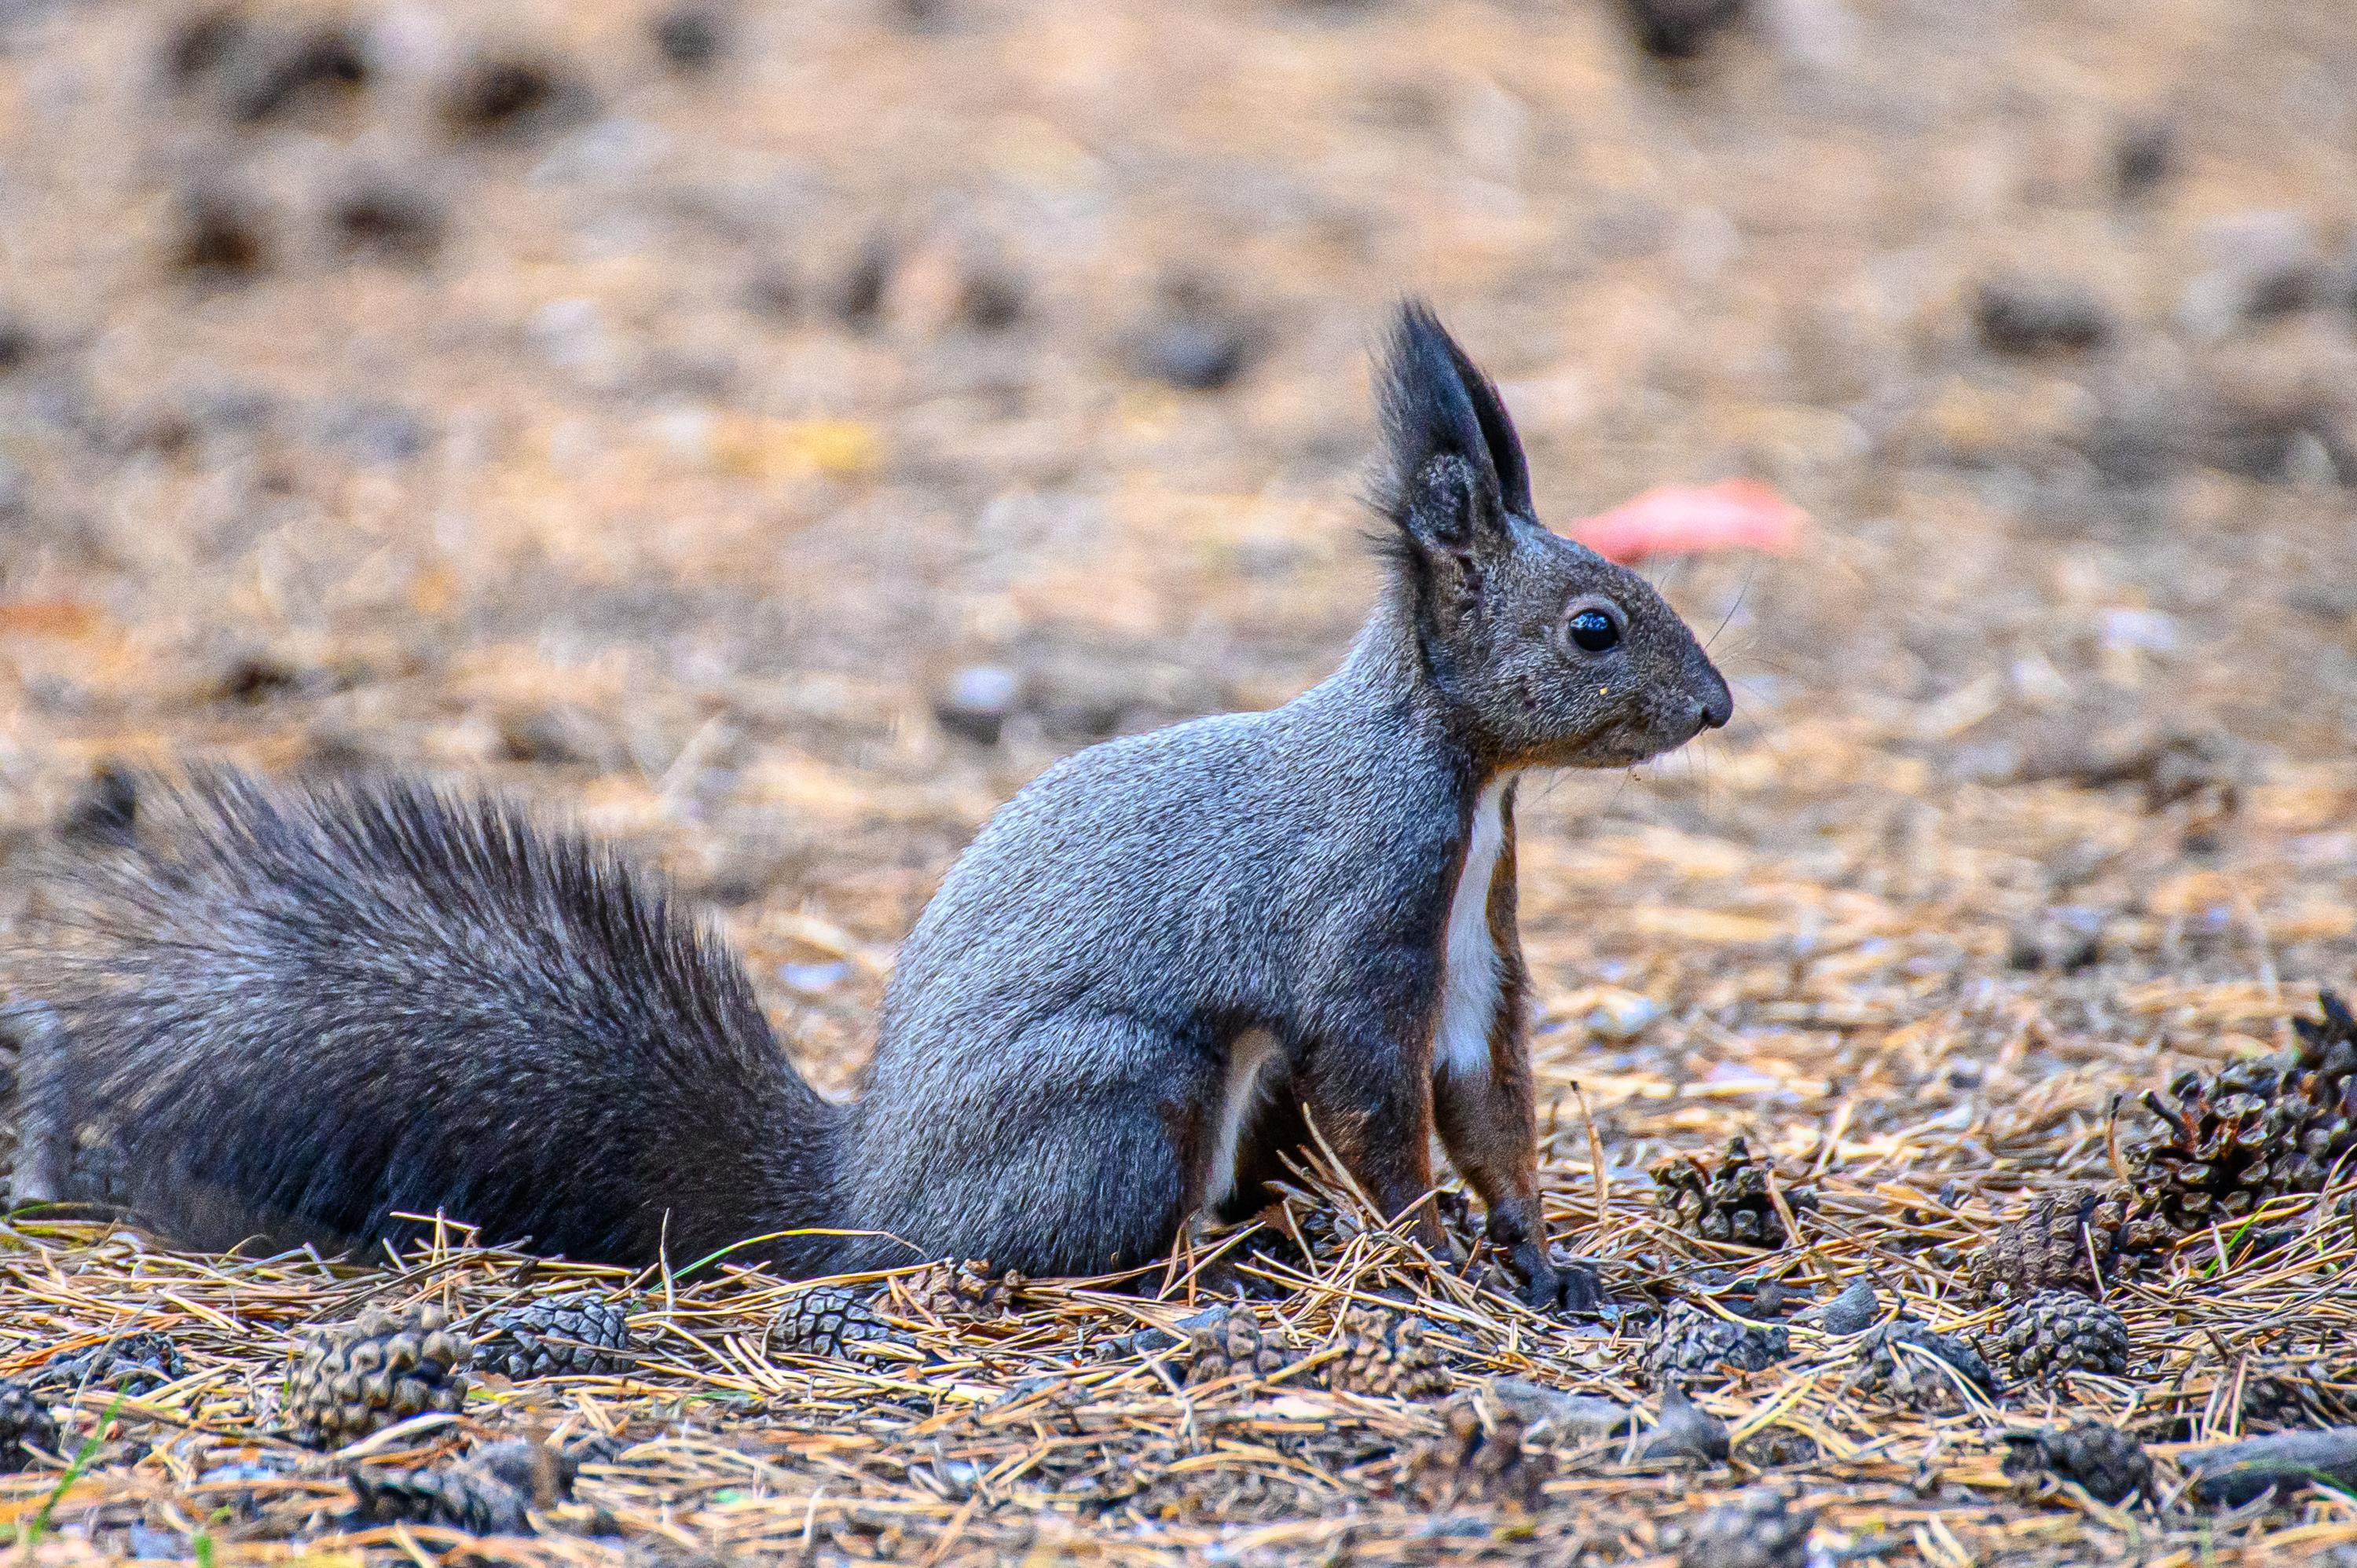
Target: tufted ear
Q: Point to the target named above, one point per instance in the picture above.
(1454, 465)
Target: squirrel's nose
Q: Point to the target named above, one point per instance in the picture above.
(1716, 705)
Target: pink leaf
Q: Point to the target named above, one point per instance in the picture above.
(1682, 520)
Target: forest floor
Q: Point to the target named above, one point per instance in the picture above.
(655, 422)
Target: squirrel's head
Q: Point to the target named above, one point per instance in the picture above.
(1547, 654)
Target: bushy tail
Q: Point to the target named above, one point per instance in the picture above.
(302, 1011)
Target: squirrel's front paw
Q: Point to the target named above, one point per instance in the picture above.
(1558, 1286)
(1579, 1290)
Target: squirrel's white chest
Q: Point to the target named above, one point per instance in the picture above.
(1472, 974)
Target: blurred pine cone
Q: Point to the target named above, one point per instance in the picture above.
(2284, 1396)
(490, 1492)
(356, 1377)
(967, 1291)
(1908, 1363)
(2109, 1462)
(1232, 1342)
(135, 1364)
(2254, 1130)
(25, 1427)
(1758, 1530)
(1701, 1347)
(578, 1333)
(834, 1322)
(1730, 1204)
(2061, 1242)
(2046, 1335)
(1478, 1458)
(1388, 1355)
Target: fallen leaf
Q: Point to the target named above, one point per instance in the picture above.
(1684, 520)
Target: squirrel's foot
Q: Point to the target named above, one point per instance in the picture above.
(1553, 1284)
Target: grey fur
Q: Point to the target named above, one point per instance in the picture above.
(323, 1007)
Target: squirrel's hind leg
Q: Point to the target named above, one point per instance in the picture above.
(1094, 1121)
(44, 1128)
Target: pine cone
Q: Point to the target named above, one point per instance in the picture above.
(2254, 1130)
(1701, 1347)
(490, 1492)
(27, 1431)
(356, 1377)
(1729, 1204)
(1229, 1343)
(135, 1364)
(578, 1333)
(2285, 1397)
(2047, 1336)
(1388, 1355)
(2060, 1243)
(1895, 1362)
(1478, 1458)
(834, 1323)
(2109, 1462)
(968, 1290)
(1758, 1530)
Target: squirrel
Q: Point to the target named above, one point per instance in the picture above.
(314, 1009)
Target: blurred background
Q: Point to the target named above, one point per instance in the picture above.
(772, 432)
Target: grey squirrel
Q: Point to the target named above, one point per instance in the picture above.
(309, 1010)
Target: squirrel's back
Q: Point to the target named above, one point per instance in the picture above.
(304, 1011)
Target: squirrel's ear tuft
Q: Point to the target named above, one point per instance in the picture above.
(1453, 464)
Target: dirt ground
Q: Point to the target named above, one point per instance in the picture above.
(656, 421)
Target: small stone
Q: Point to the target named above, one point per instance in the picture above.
(199, 43)
(772, 289)
(692, 36)
(387, 220)
(1759, 1530)
(1774, 1447)
(991, 297)
(2022, 318)
(1196, 342)
(2144, 156)
(218, 233)
(19, 342)
(1854, 1311)
(857, 297)
(1196, 353)
(269, 73)
(27, 1431)
(2063, 940)
(977, 702)
(1678, 29)
(510, 96)
(560, 735)
(1566, 1418)
(253, 679)
(1685, 1431)
(2263, 264)
(104, 810)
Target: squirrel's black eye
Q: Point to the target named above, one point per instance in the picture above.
(1593, 631)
